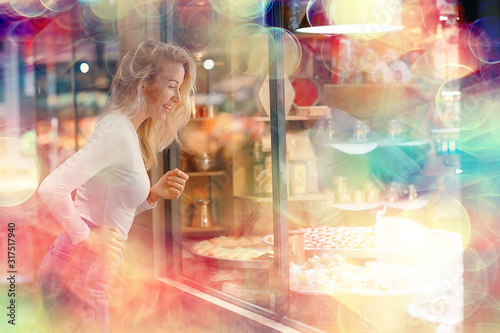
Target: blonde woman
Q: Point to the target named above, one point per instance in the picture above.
(148, 104)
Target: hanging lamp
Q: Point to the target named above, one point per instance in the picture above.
(368, 18)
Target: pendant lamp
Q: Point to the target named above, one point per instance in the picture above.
(367, 18)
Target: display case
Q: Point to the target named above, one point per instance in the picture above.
(325, 185)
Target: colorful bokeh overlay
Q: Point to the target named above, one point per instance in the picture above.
(449, 106)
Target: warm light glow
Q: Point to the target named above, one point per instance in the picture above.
(208, 64)
(450, 93)
(19, 170)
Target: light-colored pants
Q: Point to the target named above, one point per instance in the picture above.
(73, 282)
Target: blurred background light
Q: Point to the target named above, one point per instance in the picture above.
(84, 67)
(208, 64)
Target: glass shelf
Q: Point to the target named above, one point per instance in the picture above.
(418, 203)
(361, 148)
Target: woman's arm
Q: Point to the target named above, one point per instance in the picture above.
(170, 186)
(104, 149)
(146, 205)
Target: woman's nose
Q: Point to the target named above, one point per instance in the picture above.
(176, 97)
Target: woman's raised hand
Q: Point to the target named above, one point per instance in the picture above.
(169, 186)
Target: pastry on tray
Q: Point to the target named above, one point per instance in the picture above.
(231, 247)
(339, 237)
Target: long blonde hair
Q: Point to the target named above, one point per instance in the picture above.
(141, 65)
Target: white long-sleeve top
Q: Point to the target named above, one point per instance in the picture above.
(110, 178)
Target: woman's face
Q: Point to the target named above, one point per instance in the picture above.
(163, 93)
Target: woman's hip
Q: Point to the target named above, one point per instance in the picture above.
(72, 269)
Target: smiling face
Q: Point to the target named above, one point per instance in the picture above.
(162, 94)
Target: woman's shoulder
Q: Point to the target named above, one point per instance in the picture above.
(114, 118)
(114, 125)
(114, 121)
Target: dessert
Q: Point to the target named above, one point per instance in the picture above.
(333, 273)
(230, 247)
(344, 237)
(339, 237)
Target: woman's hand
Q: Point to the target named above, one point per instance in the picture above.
(170, 186)
(106, 241)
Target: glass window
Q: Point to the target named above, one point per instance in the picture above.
(226, 210)
(315, 160)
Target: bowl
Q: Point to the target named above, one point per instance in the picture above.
(204, 161)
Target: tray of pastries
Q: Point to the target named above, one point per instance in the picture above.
(334, 274)
(392, 296)
(350, 242)
(355, 242)
(331, 274)
(235, 252)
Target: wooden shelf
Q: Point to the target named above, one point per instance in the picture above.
(206, 173)
(203, 119)
(214, 231)
(292, 118)
(303, 197)
(368, 85)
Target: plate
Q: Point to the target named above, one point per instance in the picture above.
(264, 96)
(341, 291)
(437, 311)
(232, 263)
